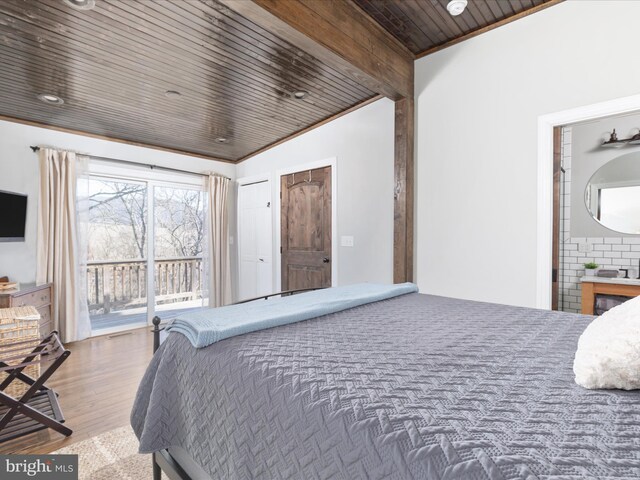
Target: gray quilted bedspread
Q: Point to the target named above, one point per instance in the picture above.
(416, 387)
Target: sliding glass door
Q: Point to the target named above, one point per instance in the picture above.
(144, 244)
(117, 241)
(179, 232)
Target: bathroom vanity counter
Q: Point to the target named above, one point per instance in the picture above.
(592, 286)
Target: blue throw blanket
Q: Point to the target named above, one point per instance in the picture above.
(211, 325)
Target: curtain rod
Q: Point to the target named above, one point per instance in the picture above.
(152, 167)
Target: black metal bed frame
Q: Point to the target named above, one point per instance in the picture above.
(162, 460)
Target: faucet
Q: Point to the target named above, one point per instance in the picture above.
(626, 272)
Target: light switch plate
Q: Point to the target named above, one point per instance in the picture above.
(584, 247)
(346, 241)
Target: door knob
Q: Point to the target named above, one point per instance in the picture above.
(261, 259)
(325, 260)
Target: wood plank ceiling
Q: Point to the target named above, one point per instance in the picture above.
(113, 64)
(425, 26)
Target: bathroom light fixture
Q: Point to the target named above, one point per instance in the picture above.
(635, 140)
(300, 94)
(81, 4)
(50, 99)
(172, 94)
(456, 7)
(615, 142)
(222, 140)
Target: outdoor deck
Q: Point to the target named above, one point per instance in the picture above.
(138, 316)
(117, 290)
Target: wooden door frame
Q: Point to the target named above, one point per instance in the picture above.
(546, 124)
(558, 217)
(329, 162)
(259, 178)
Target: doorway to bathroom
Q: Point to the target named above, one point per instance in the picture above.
(596, 214)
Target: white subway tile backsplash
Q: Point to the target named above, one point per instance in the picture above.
(631, 240)
(613, 240)
(612, 254)
(602, 247)
(621, 248)
(567, 149)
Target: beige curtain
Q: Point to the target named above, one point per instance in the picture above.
(57, 257)
(219, 268)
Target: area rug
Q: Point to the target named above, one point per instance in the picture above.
(110, 456)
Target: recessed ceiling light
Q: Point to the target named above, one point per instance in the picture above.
(172, 94)
(299, 94)
(456, 7)
(222, 140)
(50, 99)
(81, 4)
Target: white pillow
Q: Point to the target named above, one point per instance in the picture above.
(608, 354)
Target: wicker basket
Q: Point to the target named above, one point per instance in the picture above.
(17, 324)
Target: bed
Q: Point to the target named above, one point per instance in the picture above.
(414, 387)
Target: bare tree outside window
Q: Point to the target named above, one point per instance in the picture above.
(179, 217)
(117, 220)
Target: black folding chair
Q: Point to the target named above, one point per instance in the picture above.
(38, 407)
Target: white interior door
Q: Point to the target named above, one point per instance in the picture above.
(255, 240)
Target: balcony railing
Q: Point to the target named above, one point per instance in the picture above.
(122, 284)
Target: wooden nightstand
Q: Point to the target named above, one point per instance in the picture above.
(39, 296)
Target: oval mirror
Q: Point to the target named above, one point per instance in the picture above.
(612, 195)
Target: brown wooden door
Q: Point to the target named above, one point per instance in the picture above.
(305, 229)
(555, 252)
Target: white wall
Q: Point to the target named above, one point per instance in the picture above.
(362, 142)
(477, 106)
(19, 173)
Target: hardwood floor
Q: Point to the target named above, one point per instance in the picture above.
(97, 385)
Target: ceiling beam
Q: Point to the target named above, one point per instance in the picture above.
(339, 34)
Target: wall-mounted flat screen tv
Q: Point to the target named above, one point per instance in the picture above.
(13, 216)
